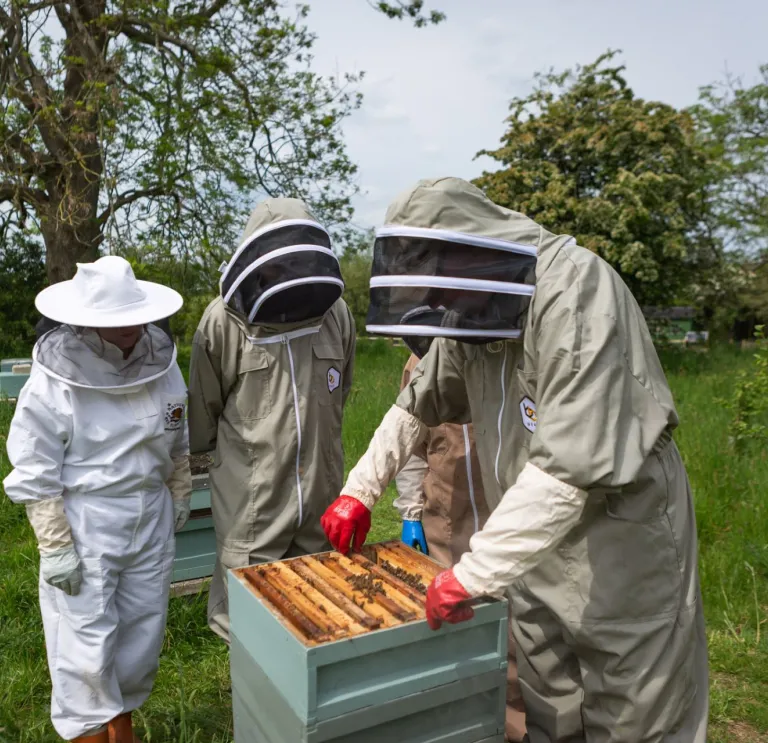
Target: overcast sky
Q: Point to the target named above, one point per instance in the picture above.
(435, 96)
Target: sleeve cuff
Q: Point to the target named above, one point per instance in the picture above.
(533, 517)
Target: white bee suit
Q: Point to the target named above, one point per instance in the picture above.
(99, 448)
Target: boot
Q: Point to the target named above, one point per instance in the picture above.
(121, 730)
(102, 737)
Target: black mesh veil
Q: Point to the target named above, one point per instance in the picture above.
(431, 283)
(285, 272)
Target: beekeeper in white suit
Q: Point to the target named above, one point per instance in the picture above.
(99, 448)
(592, 533)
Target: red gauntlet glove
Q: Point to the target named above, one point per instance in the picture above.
(346, 517)
(446, 601)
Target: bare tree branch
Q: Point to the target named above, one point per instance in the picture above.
(125, 199)
(14, 192)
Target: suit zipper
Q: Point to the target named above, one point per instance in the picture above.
(287, 343)
(468, 460)
(501, 410)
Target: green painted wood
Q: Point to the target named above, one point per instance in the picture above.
(11, 384)
(280, 655)
(467, 711)
(196, 542)
(333, 679)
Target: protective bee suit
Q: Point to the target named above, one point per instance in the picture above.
(441, 490)
(271, 369)
(99, 447)
(592, 528)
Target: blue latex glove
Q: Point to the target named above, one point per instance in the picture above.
(413, 536)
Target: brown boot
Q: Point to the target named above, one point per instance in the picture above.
(121, 730)
(102, 737)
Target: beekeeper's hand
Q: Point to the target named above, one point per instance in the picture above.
(447, 601)
(413, 535)
(344, 519)
(180, 512)
(61, 569)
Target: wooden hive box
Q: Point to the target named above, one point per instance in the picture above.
(334, 649)
(12, 381)
(196, 542)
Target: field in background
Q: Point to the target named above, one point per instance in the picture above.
(191, 701)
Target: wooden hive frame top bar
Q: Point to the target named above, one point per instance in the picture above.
(328, 597)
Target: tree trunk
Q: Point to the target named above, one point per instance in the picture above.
(70, 224)
(65, 247)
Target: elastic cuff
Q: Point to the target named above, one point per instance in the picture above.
(473, 588)
(367, 500)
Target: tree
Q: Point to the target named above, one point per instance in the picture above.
(584, 156)
(22, 276)
(355, 260)
(733, 125)
(137, 122)
(413, 9)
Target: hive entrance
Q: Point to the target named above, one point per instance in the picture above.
(328, 597)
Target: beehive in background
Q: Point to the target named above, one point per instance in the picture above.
(334, 649)
(196, 542)
(14, 374)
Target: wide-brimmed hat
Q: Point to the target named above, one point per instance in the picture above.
(106, 294)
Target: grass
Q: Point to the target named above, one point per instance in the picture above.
(191, 700)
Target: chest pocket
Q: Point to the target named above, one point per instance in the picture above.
(252, 399)
(327, 374)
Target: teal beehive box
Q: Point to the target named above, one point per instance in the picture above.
(14, 374)
(196, 542)
(334, 649)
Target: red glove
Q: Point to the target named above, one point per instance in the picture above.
(445, 597)
(346, 517)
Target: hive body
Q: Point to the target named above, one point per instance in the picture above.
(196, 542)
(14, 374)
(327, 649)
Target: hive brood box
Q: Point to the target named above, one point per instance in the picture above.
(334, 649)
(196, 542)
(14, 374)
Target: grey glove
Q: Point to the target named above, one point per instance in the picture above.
(180, 512)
(61, 569)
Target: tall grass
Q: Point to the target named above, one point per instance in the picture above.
(191, 701)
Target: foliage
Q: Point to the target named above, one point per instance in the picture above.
(356, 270)
(749, 402)
(733, 125)
(142, 122)
(584, 156)
(355, 260)
(22, 276)
(413, 9)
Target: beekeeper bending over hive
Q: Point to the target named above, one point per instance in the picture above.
(99, 448)
(547, 353)
(271, 369)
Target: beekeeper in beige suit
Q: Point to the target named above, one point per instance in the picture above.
(442, 504)
(548, 354)
(271, 369)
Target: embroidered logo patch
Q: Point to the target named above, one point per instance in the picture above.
(174, 415)
(334, 379)
(528, 413)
